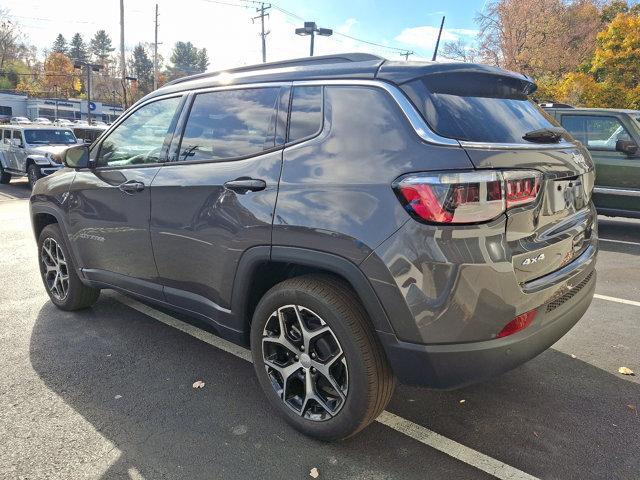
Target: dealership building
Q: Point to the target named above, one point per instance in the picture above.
(20, 105)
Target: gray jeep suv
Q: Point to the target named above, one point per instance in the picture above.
(350, 219)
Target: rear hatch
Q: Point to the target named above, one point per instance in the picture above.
(489, 112)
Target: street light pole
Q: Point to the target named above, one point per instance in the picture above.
(90, 67)
(310, 29)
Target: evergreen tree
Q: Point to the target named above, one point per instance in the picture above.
(187, 60)
(77, 48)
(100, 46)
(141, 66)
(59, 45)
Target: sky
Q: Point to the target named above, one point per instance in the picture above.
(226, 30)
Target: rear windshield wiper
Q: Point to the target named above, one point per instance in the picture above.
(544, 135)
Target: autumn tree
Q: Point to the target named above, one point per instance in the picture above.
(617, 54)
(59, 75)
(538, 37)
(59, 45)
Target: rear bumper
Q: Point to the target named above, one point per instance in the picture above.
(456, 365)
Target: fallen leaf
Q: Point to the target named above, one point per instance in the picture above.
(536, 434)
(462, 401)
(118, 397)
(198, 384)
(314, 473)
(625, 371)
(573, 356)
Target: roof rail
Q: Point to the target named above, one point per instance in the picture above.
(295, 62)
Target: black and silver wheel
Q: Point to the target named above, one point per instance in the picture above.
(54, 265)
(60, 279)
(317, 358)
(33, 174)
(5, 177)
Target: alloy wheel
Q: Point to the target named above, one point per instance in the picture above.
(305, 362)
(55, 272)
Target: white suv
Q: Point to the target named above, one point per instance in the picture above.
(32, 150)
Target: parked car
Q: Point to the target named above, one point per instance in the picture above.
(345, 217)
(63, 122)
(612, 137)
(32, 151)
(88, 133)
(42, 121)
(20, 121)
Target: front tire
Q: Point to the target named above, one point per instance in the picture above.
(317, 357)
(58, 272)
(5, 177)
(33, 174)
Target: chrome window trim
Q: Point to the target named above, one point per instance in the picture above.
(616, 191)
(517, 146)
(415, 119)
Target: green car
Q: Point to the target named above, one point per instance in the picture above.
(612, 137)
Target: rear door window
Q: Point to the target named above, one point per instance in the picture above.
(229, 124)
(596, 132)
(478, 107)
(306, 113)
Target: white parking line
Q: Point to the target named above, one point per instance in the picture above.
(428, 437)
(626, 242)
(617, 300)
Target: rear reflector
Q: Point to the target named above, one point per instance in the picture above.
(521, 322)
(466, 197)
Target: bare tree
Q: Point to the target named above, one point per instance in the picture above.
(9, 36)
(460, 50)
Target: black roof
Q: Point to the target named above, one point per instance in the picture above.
(347, 65)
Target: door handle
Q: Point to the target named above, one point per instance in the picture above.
(131, 186)
(243, 185)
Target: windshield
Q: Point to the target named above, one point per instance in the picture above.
(478, 107)
(49, 136)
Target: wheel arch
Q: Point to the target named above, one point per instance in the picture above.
(260, 268)
(43, 215)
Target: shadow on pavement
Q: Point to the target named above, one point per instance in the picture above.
(16, 190)
(166, 429)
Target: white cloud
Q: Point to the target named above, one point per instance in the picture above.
(425, 36)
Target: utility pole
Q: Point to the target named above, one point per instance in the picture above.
(123, 65)
(435, 52)
(406, 55)
(155, 53)
(264, 7)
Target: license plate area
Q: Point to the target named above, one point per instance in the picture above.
(568, 194)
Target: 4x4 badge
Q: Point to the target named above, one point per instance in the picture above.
(530, 260)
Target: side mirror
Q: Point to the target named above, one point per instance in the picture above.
(627, 146)
(76, 157)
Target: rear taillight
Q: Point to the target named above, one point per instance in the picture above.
(466, 197)
(521, 322)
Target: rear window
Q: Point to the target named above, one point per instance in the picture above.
(478, 107)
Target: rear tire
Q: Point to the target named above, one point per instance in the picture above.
(58, 272)
(33, 174)
(5, 177)
(341, 343)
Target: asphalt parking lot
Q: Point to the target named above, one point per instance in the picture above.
(107, 393)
